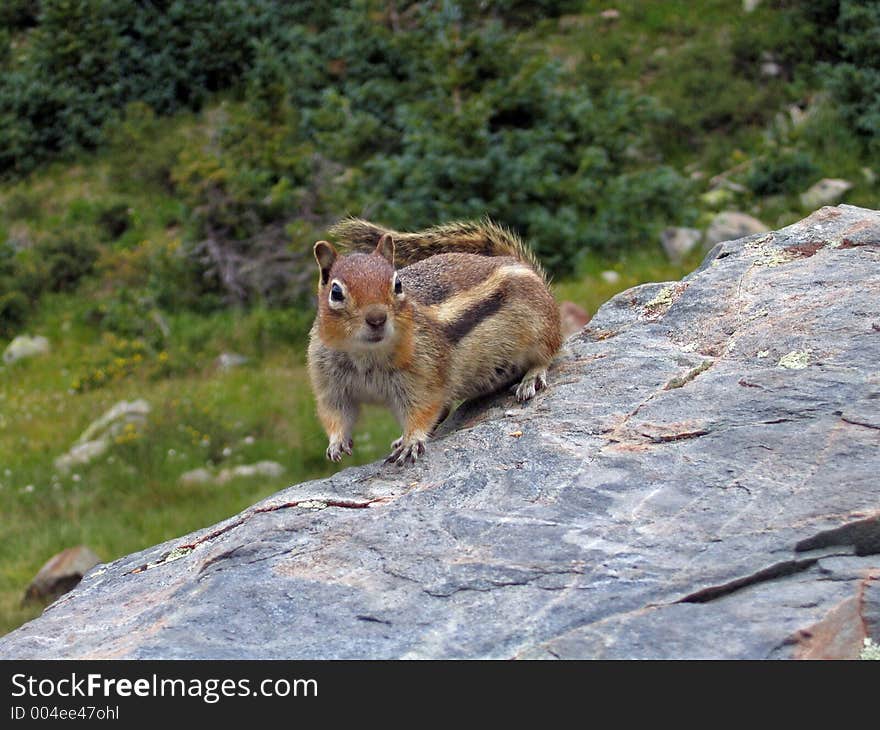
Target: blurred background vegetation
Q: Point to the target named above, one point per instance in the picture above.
(166, 165)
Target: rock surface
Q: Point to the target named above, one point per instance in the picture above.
(61, 573)
(674, 493)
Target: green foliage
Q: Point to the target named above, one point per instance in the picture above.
(19, 14)
(795, 34)
(5, 48)
(55, 263)
(88, 58)
(833, 42)
(784, 172)
(419, 112)
(14, 311)
(109, 217)
(444, 120)
(22, 203)
(63, 259)
(708, 95)
(143, 149)
(128, 313)
(267, 327)
(240, 196)
(114, 219)
(518, 12)
(855, 81)
(118, 358)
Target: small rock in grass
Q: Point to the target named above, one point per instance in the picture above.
(730, 225)
(195, 476)
(825, 192)
(679, 242)
(25, 346)
(80, 454)
(60, 574)
(270, 469)
(229, 360)
(573, 317)
(96, 439)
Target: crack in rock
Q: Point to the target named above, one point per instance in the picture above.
(772, 572)
(862, 535)
(312, 503)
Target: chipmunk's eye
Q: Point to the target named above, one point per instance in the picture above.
(398, 285)
(336, 294)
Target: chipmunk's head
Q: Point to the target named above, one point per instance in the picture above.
(360, 297)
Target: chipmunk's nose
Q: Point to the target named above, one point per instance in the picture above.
(376, 318)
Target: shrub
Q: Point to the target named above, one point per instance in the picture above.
(411, 113)
(782, 172)
(14, 311)
(56, 263)
(22, 203)
(64, 258)
(441, 119)
(88, 58)
(142, 149)
(108, 218)
(19, 14)
(797, 34)
(525, 144)
(855, 81)
(708, 93)
(129, 314)
(518, 12)
(240, 197)
(114, 219)
(5, 48)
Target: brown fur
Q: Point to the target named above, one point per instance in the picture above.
(484, 238)
(466, 323)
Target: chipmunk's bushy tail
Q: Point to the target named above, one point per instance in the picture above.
(483, 237)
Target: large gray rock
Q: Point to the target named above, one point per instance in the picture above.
(676, 492)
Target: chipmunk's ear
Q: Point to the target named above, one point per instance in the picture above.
(385, 248)
(325, 255)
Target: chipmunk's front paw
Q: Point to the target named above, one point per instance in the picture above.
(337, 448)
(406, 451)
(533, 381)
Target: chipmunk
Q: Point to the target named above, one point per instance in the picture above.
(468, 312)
